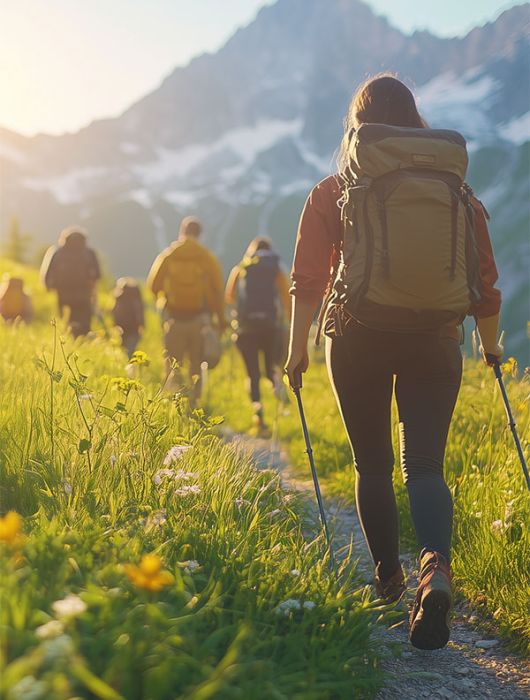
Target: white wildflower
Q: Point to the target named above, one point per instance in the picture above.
(175, 453)
(113, 459)
(181, 475)
(189, 566)
(288, 606)
(67, 486)
(85, 397)
(163, 474)
(70, 606)
(49, 630)
(29, 688)
(309, 605)
(58, 648)
(274, 512)
(187, 490)
(294, 572)
(499, 526)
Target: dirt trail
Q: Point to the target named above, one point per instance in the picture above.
(462, 669)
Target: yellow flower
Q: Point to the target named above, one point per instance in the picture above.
(149, 575)
(139, 357)
(10, 527)
(510, 366)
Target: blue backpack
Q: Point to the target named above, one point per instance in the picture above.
(257, 296)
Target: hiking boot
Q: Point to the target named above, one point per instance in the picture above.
(392, 589)
(429, 619)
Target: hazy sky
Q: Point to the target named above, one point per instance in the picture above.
(67, 62)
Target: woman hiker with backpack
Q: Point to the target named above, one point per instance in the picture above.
(402, 249)
(258, 289)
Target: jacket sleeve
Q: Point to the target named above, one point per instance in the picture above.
(490, 302)
(317, 242)
(155, 279)
(231, 286)
(47, 268)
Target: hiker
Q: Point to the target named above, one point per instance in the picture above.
(15, 302)
(128, 312)
(187, 281)
(410, 256)
(72, 270)
(258, 289)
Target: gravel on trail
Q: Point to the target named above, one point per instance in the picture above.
(473, 666)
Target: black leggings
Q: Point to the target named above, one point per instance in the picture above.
(428, 369)
(250, 345)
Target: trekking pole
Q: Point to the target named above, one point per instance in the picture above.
(492, 359)
(309, 450)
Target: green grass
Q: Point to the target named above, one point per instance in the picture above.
(81, 445)
(492, 504)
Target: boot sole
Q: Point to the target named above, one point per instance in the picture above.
(430, 628)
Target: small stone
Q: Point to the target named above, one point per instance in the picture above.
(462, 670)
(407, 655)
(486, 643)
(446, 693)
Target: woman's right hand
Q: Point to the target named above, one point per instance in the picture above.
(297, 363)
(493, 356)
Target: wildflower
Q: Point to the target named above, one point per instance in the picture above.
(181, 475)
(85, 397)
(113, 459)
(67, 486)
(149, 575)
(59, 648)
(10, 527)
(187, 490)
(309, 605)
(29, 688)
(189, 566)
(288, 606)
(49, 630)
(162, 474)
(139, 357)
(68, 607)
(125, 385)
(499, 526)
(175, 453)
(274, 512)
(510, 366)
(159, 518)
(294, 572)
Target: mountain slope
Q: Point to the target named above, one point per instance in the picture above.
(240, 136)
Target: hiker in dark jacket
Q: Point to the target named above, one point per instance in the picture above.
(128, 312)
(72, 270)
(398, 255)
(258, 289)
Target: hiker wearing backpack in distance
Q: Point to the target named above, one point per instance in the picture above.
(187, 281)
(258, 289)
(402, 247)
(128, 312)
(72, 270)
(15, 303)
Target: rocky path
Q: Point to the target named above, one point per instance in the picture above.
(472, 666)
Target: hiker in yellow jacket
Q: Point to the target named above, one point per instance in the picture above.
(187, 281)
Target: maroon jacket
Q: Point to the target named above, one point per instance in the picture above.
(319, 238)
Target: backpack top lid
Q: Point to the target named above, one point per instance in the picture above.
(377, 149)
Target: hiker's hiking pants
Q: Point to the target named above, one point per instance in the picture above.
(251, 344)
(79, 314)
(184, 341)
(424, 371)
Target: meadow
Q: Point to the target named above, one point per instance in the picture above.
(141, 556)
(492, 505)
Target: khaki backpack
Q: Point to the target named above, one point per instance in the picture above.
(408, 259)
(185, 284)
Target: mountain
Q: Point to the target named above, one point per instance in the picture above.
(240, 136)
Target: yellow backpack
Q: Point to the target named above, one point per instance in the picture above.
(185, 284)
